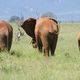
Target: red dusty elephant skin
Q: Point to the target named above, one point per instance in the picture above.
(44, 33)
(6, 34)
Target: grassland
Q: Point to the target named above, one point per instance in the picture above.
(25, 63)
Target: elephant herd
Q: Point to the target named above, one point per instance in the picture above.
(43, 31)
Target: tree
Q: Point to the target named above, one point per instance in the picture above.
(49, 14)
(14, 19)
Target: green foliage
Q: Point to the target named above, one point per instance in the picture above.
(14, 19)
(49, 14)
(24, 62)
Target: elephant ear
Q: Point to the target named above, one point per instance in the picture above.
(54, 20)
(29, 26)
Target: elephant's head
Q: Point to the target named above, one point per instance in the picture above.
(29, 26)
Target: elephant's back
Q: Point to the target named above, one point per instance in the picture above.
(5, 26)
(42, 25)
(46, 25)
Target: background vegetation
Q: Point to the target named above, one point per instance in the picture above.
(25, 63)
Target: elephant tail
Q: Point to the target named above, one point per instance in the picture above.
(52, 42)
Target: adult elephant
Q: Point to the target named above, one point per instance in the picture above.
(44, 33)
(6, 35)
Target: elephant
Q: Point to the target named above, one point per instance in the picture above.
(78, 40)
(29, 27)
(6, 35)
(44, 33)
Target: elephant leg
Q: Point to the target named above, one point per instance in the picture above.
(46, 51)
(45, 45)
(53, 45)
(3, 42)
(2, 47)
(79, 44)
(39, 43)
(9, 40)
(34, 44)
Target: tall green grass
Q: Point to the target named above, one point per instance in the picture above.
(25, 63)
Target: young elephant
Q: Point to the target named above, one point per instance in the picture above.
(6, 34)
(44, 33)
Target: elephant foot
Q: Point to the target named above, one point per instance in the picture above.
(52, 54)
(46, 54)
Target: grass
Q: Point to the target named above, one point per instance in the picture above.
(25, 63)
